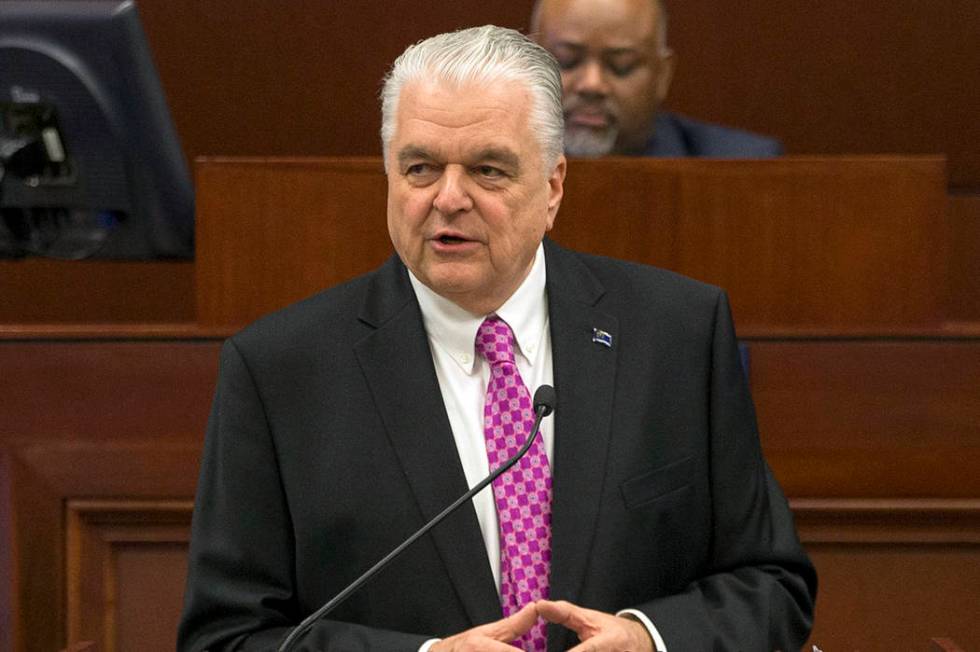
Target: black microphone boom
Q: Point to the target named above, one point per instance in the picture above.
(545, 400)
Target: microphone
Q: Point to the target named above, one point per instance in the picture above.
(544, 403)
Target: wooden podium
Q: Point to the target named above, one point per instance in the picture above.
(853, 297)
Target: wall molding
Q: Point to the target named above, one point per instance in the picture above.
(98, 533)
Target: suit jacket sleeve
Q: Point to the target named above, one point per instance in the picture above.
(239, 593)
(759, 587)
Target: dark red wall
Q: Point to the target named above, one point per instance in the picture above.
(301, 77)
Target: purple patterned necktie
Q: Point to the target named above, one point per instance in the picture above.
(522, 494)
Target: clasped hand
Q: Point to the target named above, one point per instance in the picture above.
(597, 631)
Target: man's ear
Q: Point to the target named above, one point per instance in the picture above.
(556, 189)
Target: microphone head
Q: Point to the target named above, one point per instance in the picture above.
(545, 400)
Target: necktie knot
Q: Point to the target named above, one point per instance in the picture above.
(495, 341)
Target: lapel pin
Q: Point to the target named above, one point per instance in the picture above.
(602, 337)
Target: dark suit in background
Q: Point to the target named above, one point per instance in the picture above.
(329, 443)
(678, 136)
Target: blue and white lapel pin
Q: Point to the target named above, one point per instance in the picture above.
(602, 337)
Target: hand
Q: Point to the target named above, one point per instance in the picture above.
(491, 637)
(598, 631)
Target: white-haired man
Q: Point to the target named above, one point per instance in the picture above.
(644, 519)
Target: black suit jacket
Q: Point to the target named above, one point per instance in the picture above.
(329, 443)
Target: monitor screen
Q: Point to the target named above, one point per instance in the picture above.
(90, 162)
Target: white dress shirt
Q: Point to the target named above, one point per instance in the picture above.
(463, 377)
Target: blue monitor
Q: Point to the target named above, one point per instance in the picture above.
(90, 162)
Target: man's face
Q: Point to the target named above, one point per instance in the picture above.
(614, 74)
(469, 198)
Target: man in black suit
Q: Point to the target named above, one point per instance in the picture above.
(343, 423)
(616, 69)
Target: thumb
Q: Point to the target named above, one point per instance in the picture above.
(560, 612)
(515, 625)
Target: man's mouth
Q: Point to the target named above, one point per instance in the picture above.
(450, 239)
(593, 119)
(452, 243)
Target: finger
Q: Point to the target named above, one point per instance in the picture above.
(615, 636)
(564, 613)
(586, 623)
(491, 645)
(558, 612)
(471, 642)
(515, 625)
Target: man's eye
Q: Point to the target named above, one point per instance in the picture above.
(489, 172)
(622, 68)
(569, 63)
(417, 169)
(568, 60)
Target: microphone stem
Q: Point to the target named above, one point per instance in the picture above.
(307, 623)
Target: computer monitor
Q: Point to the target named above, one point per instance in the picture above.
(91, 163)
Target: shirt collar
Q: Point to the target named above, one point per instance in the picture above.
(454, 329)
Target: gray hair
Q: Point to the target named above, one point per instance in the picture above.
(482, 54)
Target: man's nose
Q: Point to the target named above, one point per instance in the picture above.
(453, 196)
(590, 79)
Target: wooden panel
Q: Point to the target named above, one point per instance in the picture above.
(853, 418)
(263, 78)
(117, 522)
(8, 546)
(85, 391)
(31, 539)
(126, 564)
(96, 331)
(826, 79)
(818, 245)
(831, 245)
(140, 468)
(89, 419)
(149, 615)
(270, 233)
(38, 290)
(893, 574)
(838, 417)
(964, 259)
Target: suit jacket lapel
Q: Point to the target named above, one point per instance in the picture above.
(397, 365)
(585, 374)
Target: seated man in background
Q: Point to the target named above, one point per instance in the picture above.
(616, 70)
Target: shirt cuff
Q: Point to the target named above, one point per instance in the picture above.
(658, 641)
(425, 646)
